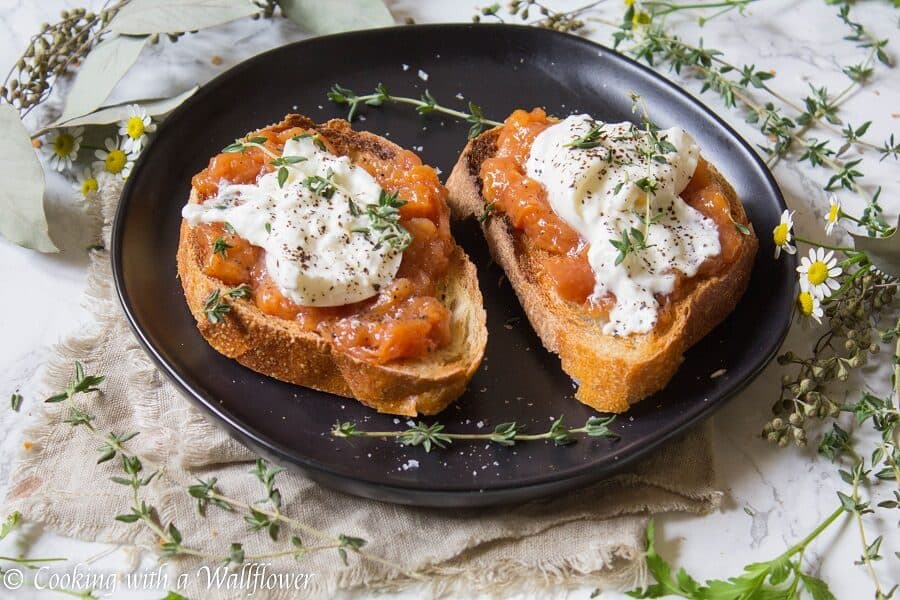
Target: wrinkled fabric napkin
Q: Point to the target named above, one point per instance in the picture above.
(594, 536)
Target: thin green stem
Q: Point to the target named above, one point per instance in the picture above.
(802, 544)
(26, 560)
(863, 538)
(845, 249)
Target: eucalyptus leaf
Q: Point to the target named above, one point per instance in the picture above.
(337, 16)
(22, 217)
(143, 17)
(883, 252)
(104, 66)
(119, 112)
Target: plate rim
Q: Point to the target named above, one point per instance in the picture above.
(489, 494)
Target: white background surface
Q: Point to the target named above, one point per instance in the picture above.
(772, 497)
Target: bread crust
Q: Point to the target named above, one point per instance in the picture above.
(281, 349)
(612, 373)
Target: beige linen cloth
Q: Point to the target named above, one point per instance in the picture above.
(590, 536)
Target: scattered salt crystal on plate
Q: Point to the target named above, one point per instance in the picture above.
(479, 424)
(405, 67)
(423, 75)
(410, 464)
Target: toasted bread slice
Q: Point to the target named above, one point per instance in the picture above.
(281, 349)
(612, 372)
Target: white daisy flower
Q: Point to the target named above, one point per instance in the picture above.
(114, 159)
(86, 184)
(783, 234)
(62, 146)
(834, 213)
(818, 272)
(809, 304)
(135, 128)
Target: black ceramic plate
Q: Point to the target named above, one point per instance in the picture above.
(500, 68)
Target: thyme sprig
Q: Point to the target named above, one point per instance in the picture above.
(216, 305)
(170, 540)
(384, 222)
(629, 245)
(433, 435)
(426, 104)
(590, 139)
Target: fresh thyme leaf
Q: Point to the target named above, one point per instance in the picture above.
(15, 401)
(220, 247)
(268, 227)
(505, 433)
(425, 436)
(323, 186)
(384, 220)
(215, 307)
(589, 140)
(627, 245)
(229, 228)
(237, 146)
(282, 176)
(599, 427)
(241, 291)
(235, 554)
(488, 211)
(282, 161)
(9, 523)
(739, 226)
(349, 543)
(428, 104)
(345, 429)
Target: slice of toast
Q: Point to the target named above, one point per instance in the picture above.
(612, 373)
(281, 349)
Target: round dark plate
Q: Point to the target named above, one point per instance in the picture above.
(501, 68)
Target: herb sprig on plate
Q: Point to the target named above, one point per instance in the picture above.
(426, 104)
(434, 435)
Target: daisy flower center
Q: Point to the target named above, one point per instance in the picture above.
(63, 144)
(135, 127)
(89, 186)
(780, 234)
(833, 213)
(818, 273)
(805, 303)
(115, 161)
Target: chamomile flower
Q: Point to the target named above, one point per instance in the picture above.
(86, 184)
(782, 234)
(114, 159)
(809, 304)
(62, 147)
(834, 213)
(818, 272)
(135, 128)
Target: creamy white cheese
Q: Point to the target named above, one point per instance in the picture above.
(314, 250)
(598, 192)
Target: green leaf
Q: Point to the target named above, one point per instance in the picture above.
(130, 518)
(817, 588)
(883, 252)
(22, 219)
(9, 524)
(142, 17)
(340, 15)
(106, 64)
(119, 112)
(174, 596)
